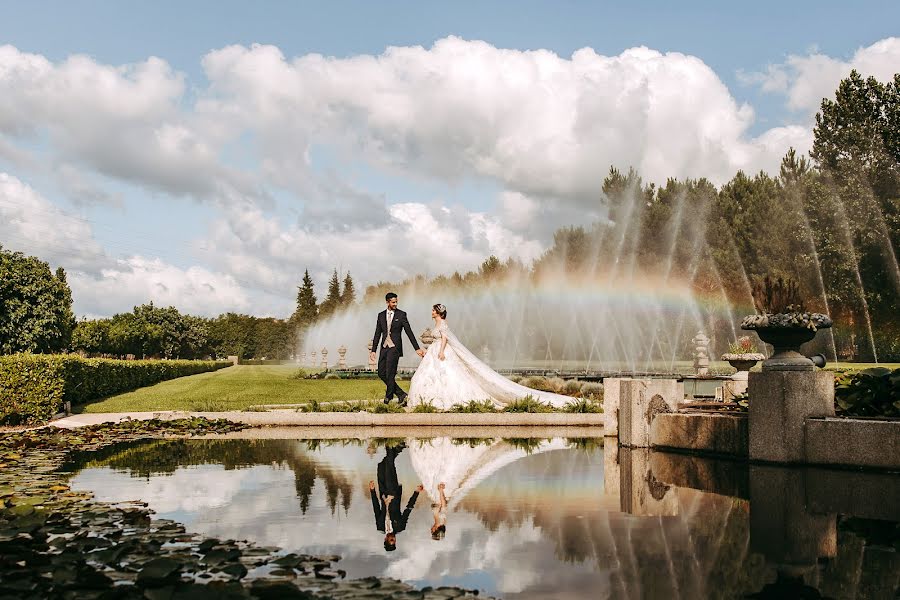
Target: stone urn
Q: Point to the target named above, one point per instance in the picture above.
(742, 363)
(787, 332)
(342, 361)
(371, 363)
(324, 355)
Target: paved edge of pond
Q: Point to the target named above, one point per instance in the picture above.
(363, 419)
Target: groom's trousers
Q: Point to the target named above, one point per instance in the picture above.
(387, 372)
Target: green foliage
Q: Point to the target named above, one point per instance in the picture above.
(583, 405)
(348, 296)
(382, 408)
(528, 404)
(425, 407)
(528, 445)
(35, 305)
(250, 337)
(332, 301)
(473, 406)
(777, 297)
(871, 392)
(33, 387)
(307, 306)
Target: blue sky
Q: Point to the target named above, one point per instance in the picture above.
(233, 171)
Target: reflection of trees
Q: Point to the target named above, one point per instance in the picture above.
(159, 457)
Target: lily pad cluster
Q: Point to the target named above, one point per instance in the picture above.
(59, 543)
(789, 320)
(871, 392)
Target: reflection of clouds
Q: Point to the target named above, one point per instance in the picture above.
(191, 489)
(532, 528)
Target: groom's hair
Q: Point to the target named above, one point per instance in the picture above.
(389, 295)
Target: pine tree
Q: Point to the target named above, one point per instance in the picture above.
(348, 296)
(307, 308)
(333, 301)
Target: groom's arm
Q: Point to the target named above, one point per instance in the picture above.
(378, 332)
(408, 329)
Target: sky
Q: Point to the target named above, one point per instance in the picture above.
(204, 154)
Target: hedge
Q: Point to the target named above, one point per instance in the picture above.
(34, 387)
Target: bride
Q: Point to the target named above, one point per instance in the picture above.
(450, 374)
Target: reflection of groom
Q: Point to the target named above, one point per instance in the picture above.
(388, 338)
(386, 501)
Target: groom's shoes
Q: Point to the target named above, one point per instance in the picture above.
(402, 399)
(387, 400)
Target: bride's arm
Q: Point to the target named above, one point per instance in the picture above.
(443, 343)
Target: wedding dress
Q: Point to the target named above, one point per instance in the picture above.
(461, 377)
(461, 467)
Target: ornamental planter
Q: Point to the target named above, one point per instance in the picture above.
(787, 332)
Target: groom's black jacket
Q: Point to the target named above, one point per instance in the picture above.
(389, 485)
(398, 325)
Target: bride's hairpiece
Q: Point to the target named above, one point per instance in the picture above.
(440, 308)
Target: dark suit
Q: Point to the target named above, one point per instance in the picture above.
(388, 485)
(389, 357)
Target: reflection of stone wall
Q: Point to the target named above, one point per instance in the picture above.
(699, 551)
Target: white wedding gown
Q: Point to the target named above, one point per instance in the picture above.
(461, 467)
(461, 377)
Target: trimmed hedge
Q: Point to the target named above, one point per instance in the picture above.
(34, 387)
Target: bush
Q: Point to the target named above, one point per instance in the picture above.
(331, 376)
(582, 405)
(572, 387)
(868, 393)
(33, 387)
(528, 404)
(474, 406)
(425, 407)
(536, 382)
(593, 390)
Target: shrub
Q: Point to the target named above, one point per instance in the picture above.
(474, 406)
(536, 382)
(582, 405)
(425, 407)
(572, 387)
(528, 404)
(593, 390)
(33, 387)
(515, 378)
(391, 407)
(332, 376)
(868, 393)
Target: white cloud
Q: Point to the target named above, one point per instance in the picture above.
(136, 280)
(536, 122)
(31, 223)
(806, 80)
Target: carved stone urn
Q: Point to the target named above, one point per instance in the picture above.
(787, 332)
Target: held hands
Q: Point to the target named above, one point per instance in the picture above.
(420, 488)
(421, 353)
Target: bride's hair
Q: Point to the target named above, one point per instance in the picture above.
(441, 310)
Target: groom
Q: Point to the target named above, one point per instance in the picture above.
(388, 339)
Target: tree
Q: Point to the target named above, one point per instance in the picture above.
(307, 305)
(333, 300)
(348, 296)
(92, 336)
(35, 305)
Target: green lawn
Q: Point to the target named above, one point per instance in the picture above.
(236, 388)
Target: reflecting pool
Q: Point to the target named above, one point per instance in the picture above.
(525, 517)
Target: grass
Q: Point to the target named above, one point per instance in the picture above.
(238, 388)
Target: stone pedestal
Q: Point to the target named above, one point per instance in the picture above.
(639, 401)
(371, 363)
(780, 402)
(611, 391)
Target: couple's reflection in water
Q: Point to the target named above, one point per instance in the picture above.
(387, 497)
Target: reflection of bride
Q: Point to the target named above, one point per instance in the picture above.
(450, 374)
(460, 468)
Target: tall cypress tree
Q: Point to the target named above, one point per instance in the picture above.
(307, 306)
(348, 296)
(333, 300)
